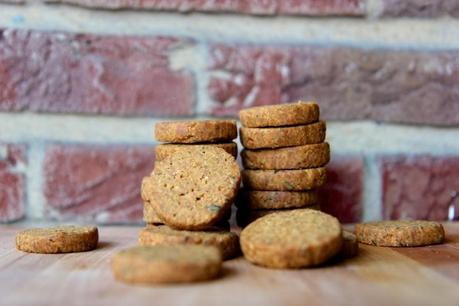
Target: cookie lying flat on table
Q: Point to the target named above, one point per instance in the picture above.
(293, 239)
(167, 264)
(196, 131)
(59, 239)
(299, 157)
(164, 150)
(280, 115)
(284, 180)
(193, 189)
(258, 199)
(245, 217)
(400, 233)
(270, 138)
(227, 242)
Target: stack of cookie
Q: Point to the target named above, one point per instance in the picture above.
(284, 157)
(188, 196)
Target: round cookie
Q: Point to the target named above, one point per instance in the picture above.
(294, 239)
(400, 233)
(247, 216)
(257, 199)
(299, 157)
(284, 180)
(227, 242)
(280, 114)
(350, 247)
(270, 138)
(59, 239)
(167, 264)
(193, 189)
(196, 131)
(164, 150)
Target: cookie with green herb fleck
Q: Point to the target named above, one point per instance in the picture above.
(227, 242)
(277, 137)
(400, 233)
(193, 189)
(280, 114)
(247, 216)
(292, 239)
(164, 150)
(298, 157)
(167, 264)
(196, 131)
(284, 180)
(258, 199)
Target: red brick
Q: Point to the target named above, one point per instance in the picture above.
(95, 183)
(420, 8)
(262, 7)
(12, 182)
(419, 187)
(342, 194)
(348, 83)
(69, 73)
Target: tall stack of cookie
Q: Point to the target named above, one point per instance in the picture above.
(188, 196)
(284, 157)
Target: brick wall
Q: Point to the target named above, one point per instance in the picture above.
(83, 82)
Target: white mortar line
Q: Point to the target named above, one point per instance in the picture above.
(441, 33)
(372, 189)
(35, 202)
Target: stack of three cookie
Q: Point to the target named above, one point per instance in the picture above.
(284, 157)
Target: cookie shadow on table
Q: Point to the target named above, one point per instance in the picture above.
(106, 244)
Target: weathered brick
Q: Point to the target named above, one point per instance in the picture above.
(342, 194)
(348, 83)
(12, 181)
(95, 183)
(261, 7)
(68, 73)
(420, 8)
(419, 187)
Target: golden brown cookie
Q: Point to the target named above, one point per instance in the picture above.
(164, 150)
(193, 189)
(284, 180)
(59, 239)
(270, 138)
(227, 242)
(280, 114)
(299, 157)
(292, 239)
(167, 264)
(400, 233)
(196, 131)
(257, 199)
(350, 247)
(247, 216)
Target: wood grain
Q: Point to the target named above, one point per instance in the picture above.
(378, 276)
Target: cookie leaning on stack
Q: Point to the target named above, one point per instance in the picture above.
(284, 157)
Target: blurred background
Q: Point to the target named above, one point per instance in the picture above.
(83, 82)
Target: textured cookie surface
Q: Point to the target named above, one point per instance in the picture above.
(293, 239)
(350, 247)
(299, 157)
(247, 216)
(227, 242)
(400, 233)
(259, 138)
(59, 239)
(167, 264)
(164, 150)
(280, 115)
(257, 199)
(284, 180)
(193, 189)
(196, 131)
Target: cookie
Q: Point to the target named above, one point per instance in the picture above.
(220, 226)
(253, 199)
(259, 138)
(227, 242)
(400, 233)
(284, 180)
(247, 216)
(59, 239)
(350, 247)
(196, 131)
(193, 189)
(164, 150)
(299, 157)
(293, 239)
(167, 264)
(280, 115)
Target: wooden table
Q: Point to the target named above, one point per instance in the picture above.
(378, 276)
